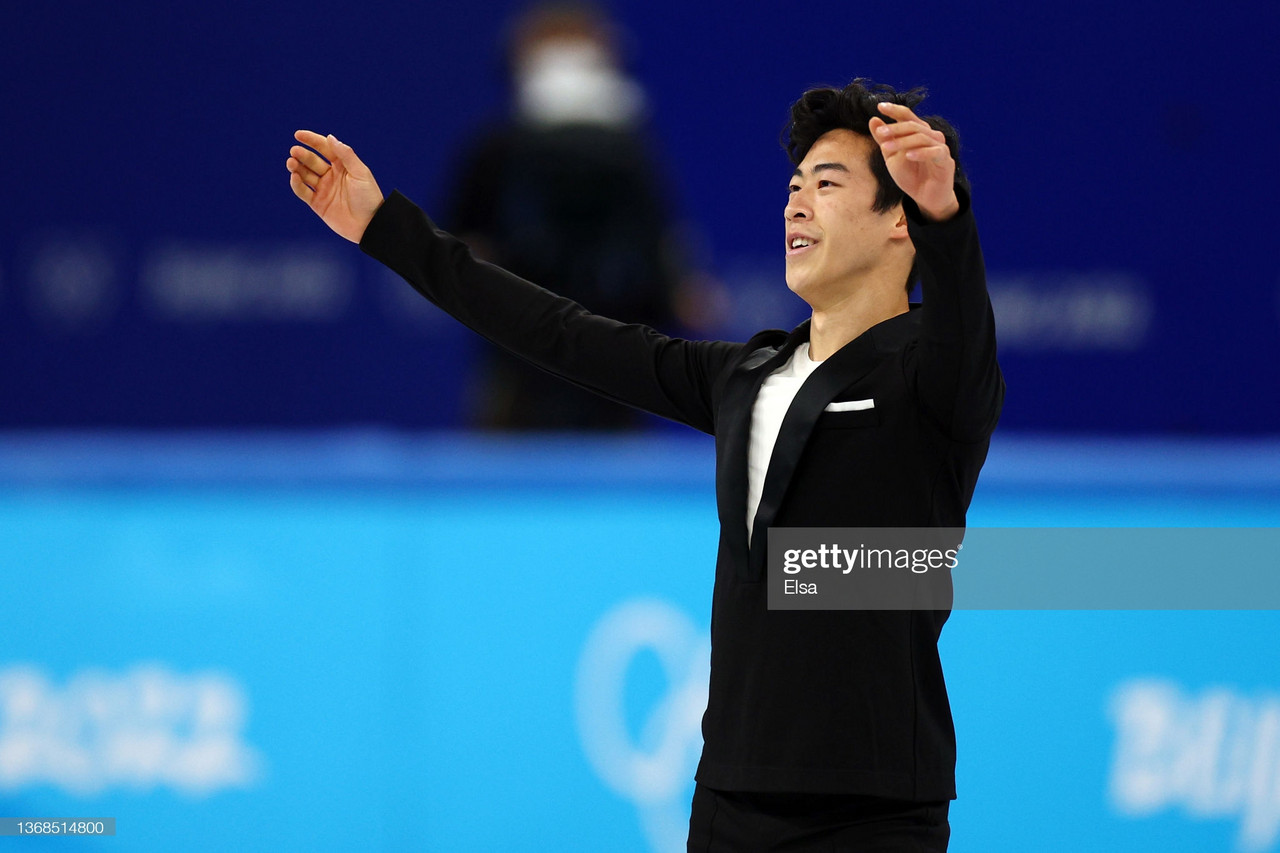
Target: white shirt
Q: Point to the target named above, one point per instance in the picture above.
(770, 408)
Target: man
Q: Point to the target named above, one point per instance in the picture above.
(824, 730)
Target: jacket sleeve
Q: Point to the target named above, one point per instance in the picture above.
(957, 379)
(629, 363)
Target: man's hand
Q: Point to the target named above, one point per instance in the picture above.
(918, 160)
(334, 183)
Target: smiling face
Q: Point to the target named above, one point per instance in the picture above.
(836, 243)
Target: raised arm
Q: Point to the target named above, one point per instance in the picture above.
(958, 381)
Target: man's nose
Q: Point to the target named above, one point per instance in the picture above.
(796, 209)
(798, 206)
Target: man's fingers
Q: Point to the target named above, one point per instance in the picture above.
(330, 178)
(309, 159)
(913, 145)
(906, 135)
(304, 174)
(904, 119)
(898, 112)
(313, 140)
(344, 157)
(930, 154)
(905, 128)
(912, 141)
(300, 189)
(331, 154)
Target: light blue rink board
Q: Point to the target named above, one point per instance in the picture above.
(365, 641)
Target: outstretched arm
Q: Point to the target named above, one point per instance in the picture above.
(332, 180)
(628, 363)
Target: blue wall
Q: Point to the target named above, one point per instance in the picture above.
(155, 270)
(365, 642)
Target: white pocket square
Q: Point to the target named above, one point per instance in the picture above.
(851, 406)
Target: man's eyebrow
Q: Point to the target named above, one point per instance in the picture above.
(821, 167)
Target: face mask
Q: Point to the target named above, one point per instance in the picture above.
(573, 81)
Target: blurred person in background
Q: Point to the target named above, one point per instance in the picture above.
(564, 192)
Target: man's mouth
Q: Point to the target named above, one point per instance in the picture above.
(798, 244)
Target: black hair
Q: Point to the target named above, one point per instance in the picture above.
(824, 109)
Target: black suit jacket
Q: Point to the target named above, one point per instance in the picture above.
(822, 701)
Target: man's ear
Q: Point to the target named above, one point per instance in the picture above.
(899, 215)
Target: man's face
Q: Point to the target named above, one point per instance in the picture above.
(829, 208)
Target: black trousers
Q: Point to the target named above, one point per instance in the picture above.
(745, 822)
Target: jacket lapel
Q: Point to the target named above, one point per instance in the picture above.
(733, 429)
(852, 362)
(733, 438)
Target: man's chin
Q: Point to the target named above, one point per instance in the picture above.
(800, 287)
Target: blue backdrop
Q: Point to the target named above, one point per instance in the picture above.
(352, 638)
(155, 270)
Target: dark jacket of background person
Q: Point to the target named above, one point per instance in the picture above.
(576, 208)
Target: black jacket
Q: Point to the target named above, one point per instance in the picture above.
(823, 701)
